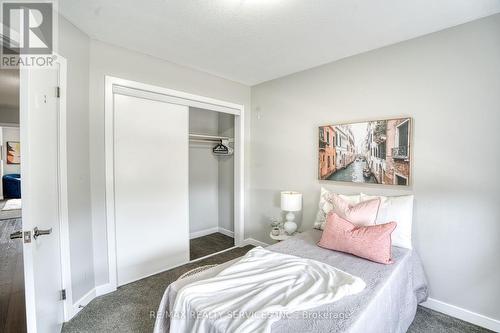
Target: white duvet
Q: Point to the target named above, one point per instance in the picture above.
(256, 291)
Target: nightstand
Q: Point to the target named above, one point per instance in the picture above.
(282, 236)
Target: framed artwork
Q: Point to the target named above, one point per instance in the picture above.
(13, 152)
(366, 152)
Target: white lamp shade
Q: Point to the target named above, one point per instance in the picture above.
(291, 201)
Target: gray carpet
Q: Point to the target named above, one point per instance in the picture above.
(129, 308)
(428, 320)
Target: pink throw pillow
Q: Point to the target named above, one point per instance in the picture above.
(363, 213)
(372, 242)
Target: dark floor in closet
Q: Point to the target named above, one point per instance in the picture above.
(205, 245)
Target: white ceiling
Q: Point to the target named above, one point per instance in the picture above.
(251, 41)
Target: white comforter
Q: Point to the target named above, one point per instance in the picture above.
(256, 291)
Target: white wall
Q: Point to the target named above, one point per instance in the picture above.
(9, 96)
(9, 115)
(74, 46)
(9, 134)
(106, 59)
(449, 82)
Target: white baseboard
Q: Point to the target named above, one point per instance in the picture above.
(226, 232)
(209, 231)
(104, 289)
(254, 242)
(463, 314)
(82, 302)
(203, 232)
(89, 297)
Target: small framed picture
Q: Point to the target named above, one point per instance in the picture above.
(13, 152)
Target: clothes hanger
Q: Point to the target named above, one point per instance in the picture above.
(221, 148)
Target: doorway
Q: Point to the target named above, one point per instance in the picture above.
(211, 182)
(35, 292)
(12, 295)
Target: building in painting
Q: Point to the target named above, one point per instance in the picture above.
(327, 153)
(345, 147)
(351, 146)
(341, 147)
(388, 151)
(398, 150)
(377, 148)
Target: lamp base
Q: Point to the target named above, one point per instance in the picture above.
(290, 226)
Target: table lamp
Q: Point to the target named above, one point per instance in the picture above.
(291, 202)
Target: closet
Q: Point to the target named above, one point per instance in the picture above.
(173, 178)
(211, 182)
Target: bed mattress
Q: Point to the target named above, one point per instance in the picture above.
(387, 304)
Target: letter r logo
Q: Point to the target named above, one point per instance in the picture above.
(29, 26)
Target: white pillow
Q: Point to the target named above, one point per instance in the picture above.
(397, 209)
(326, 206)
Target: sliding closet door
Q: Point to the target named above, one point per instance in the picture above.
(151, 186)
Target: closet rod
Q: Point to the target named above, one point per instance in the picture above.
(203, 137)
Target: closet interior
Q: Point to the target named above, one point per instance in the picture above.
(211, 182)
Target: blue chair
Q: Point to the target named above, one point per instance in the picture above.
(12, 186)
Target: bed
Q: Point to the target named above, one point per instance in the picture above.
(387, 304)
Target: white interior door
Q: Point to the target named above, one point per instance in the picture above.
(40, 190)
(150, 186)
(2, 153)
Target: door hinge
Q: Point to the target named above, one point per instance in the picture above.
(58, 92)
(63, 294)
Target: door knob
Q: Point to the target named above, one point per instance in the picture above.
(38, 232)
(17, 234)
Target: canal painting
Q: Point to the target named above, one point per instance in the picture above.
(366, 152)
